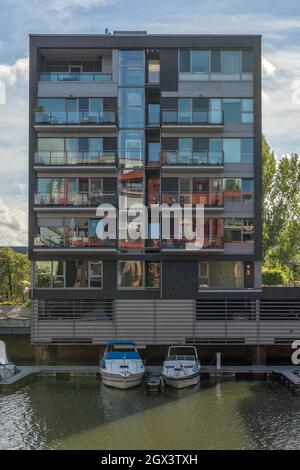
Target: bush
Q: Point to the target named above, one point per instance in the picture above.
(274, 277)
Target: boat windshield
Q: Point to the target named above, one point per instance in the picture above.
(181, 358)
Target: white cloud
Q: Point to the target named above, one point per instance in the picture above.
(62, 5)
(11, 73)
(13, 225)
(268, 68)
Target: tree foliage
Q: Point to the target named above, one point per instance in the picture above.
(14, 275)
(281, 211)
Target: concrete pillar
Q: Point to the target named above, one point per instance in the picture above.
(45, 354)
(259, 355)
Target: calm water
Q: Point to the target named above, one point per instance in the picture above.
(45, 413)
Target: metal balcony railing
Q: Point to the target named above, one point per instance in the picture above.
(74, 199)
(75, 77)
(190, 158)
(188, 118)
(50, 157)
(76, 117)
(76, 241)
(213, 199)
(209, 242)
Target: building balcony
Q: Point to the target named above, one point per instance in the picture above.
(77, 159)
(75, 77)
(212, 200)
(68, 243)
(190, 121)
(62, 200)
(210, 244)
(106, 120)
(211, 161)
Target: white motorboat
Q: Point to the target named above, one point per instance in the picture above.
(181, 367)
(122, 365)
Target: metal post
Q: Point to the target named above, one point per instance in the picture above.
(218, 358)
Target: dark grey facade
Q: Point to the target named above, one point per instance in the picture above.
(160, 119)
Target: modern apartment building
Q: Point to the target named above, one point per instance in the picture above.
(159, 119)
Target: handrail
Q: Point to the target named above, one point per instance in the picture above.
(74, 241)
(75, 117)
(73, 199)
(193, 158)
(207, 198)
(75, 77)
(197, 117)
(51, 157)
(209, 242)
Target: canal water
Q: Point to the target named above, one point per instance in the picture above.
(80, 413)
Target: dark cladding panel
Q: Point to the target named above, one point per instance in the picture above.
(110, 144)
(169, 143)
(169, 69)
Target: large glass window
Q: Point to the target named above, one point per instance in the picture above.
(232, 189)
(138, 275)
(131, 101)
(232, 150)
(200, 61)
(132, 186)
(76, 274)
(49, 274)
(131, 68)
(247, 60)
(131, 148)
(248, 190)
(95, 274)
(232, 230)
(130, 274)
(247, 150)
(232, 111)
(231, 62)
(221, 275)
(184, 60)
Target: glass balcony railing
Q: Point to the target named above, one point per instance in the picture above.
(190, 158)
(76, 117)
(74, 199)
(209, 242)
(213, 199)
(72, 242)
(75, 158)
(75, 77)
(188, 118)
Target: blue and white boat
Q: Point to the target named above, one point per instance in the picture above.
(122, 365)
(181, 367)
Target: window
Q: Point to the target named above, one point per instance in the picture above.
(132, 107)
(248, 190)
(220, 275)
(132, 186)
(131, 148)
(185, 145)
(232, 111)
(131, 68)
(184, 60)
(247, 150)
(185, 113)
(130, 274)
(247, 230)
(232, 189)
(153, 70)
(95, 274)
(49, 274)
(247, 111)
(215, 60)
(138, 275)
(247, 61)
(232, 230)
(76, 274)
(200, 61)
(231, 62)
(232, 150)
(153, 153)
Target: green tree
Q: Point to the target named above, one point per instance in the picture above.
(14, 275)
(281, 211)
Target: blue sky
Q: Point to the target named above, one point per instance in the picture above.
(277, 21)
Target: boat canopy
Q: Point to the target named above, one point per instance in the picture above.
(111, 343)
(122, 355)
